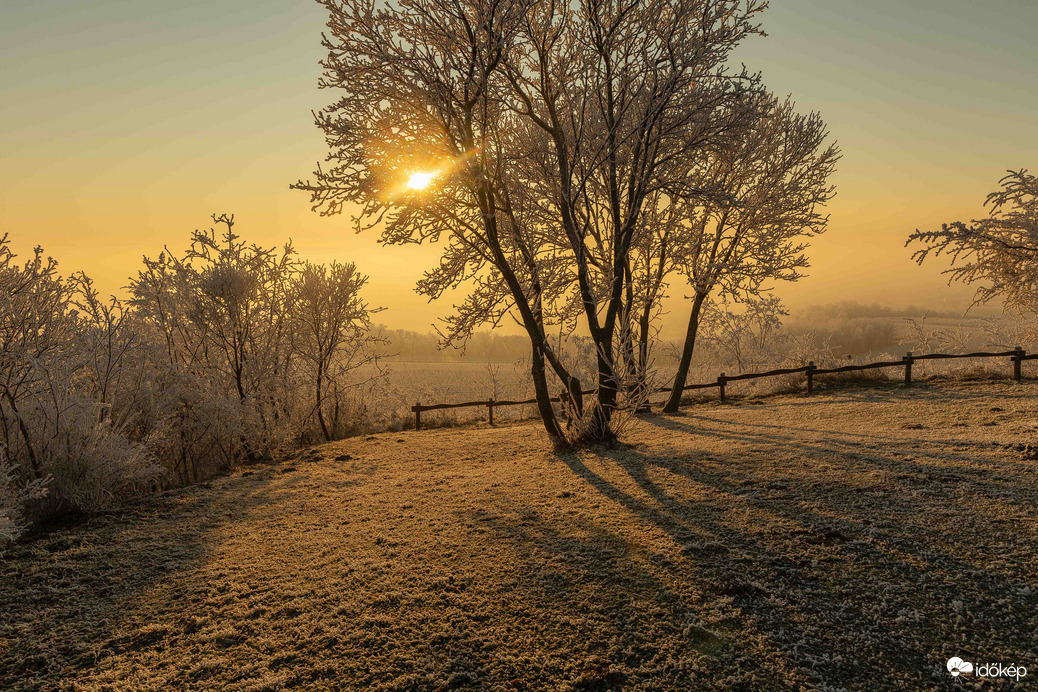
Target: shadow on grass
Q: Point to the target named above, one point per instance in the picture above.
(855, 567)
(68, 598)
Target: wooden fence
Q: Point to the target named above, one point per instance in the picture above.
(1016, 356)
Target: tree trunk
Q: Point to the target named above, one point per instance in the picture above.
(642, 366)
(34, 464)
(627, 335)
(686, 355)
(530, 320)
(540, 385)
(600, 429)
(320, 406)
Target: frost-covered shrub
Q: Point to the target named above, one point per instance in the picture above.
(745, 338)
(253, 351)
(209, 365)
(89, 464)
(14, 497)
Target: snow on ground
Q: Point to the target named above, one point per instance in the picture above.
(856, 539)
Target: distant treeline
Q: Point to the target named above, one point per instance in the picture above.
(851, 309)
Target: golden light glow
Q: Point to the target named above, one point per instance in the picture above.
(913, 157)
(420, 180)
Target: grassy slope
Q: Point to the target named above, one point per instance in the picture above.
(778, 544)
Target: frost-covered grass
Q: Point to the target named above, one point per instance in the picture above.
(856, 539)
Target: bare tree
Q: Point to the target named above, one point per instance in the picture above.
(331, 328)
(36, 333)
(746, 338)
(764, 194)
(545, 128)
(999, 251)
(224, 306)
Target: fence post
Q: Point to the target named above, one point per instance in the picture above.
(908, 368)
(418, 415)
(1017, 360)
(810, 376)
(490, 409)
(721, 380)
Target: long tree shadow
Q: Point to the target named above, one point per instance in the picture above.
(924, 459)
(847, 577)
(631, 616)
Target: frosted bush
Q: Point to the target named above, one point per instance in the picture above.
(90, 465)
(14, 498)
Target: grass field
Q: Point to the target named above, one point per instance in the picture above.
(408, 382)
(852, 540)
(864, 339)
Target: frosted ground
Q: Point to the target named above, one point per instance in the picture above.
(855, 540)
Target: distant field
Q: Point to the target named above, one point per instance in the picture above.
(449, 381)
(409, 382)
(428, 382)
(854, 540)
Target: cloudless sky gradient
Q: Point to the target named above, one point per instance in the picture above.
(124, 124)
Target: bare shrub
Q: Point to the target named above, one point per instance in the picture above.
(746, 338)
(15, 496)
(100, 401)
(223, 309)
(255, 351)
(330, 332)
(60, 364)
(91, 465)
(1010, 331)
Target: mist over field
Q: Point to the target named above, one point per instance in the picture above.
(420, 370)
(510, 345)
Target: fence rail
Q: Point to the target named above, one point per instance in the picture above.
(1016, 356)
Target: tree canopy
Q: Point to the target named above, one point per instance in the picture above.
(1000, 251)
(546, 139)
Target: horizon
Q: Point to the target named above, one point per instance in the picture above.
(170, 114)
(655, 411)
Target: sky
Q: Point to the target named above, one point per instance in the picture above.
(125, 124)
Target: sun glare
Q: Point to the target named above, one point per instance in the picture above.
(420, 181)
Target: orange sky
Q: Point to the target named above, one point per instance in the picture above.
(125, 124)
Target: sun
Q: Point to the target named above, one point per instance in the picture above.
(420, 180)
